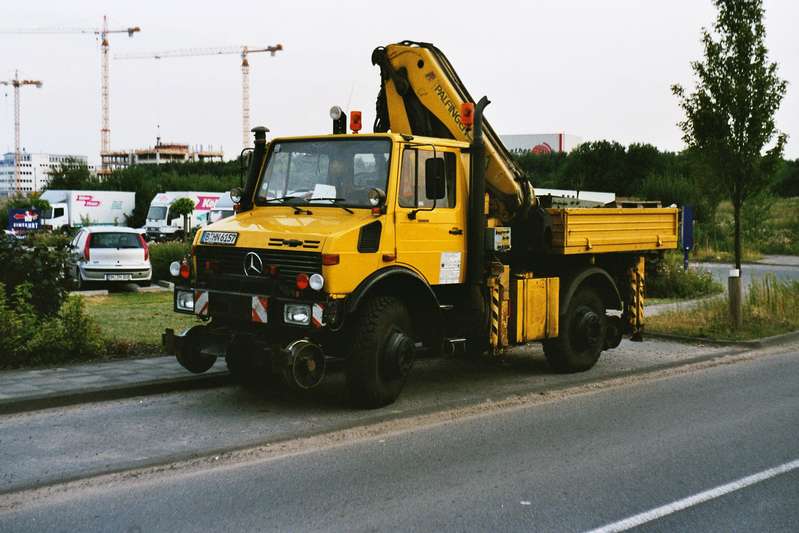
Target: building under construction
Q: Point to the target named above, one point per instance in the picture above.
(160, 154)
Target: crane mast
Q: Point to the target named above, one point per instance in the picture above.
(105, 107)
(242, 51)
(16, 83)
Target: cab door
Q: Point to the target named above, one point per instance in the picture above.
(431, 234)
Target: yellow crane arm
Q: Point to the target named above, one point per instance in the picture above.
(421, 94)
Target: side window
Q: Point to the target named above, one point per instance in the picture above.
(59, 212)
(412, 179)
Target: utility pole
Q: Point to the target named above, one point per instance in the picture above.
(16, 83)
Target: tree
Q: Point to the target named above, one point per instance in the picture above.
(729, 118)
(72, 175)
(183, 207)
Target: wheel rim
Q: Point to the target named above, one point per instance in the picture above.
(398, 355)
(586, 331)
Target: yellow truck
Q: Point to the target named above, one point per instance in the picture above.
(423, 237)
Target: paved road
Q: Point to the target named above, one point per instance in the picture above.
(54, 444)
(721, 272)
(573, 464)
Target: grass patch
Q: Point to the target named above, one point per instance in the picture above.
(132, 323)
(769, 308)
(667, 280)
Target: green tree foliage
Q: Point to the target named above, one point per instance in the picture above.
(71, 175)
(183, 207)
(41, 261)
(729, 118)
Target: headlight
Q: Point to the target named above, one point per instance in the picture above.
(184, 300)
(174, 268)
(298, 314)
(336, 112)
(235, 195)
(316, 281)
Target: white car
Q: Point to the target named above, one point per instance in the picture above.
(110, 254)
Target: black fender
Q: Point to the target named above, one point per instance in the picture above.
(596, 277)
(392, 274)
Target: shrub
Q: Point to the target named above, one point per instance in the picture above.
(28, 338)
(667, 279)
(162, 254)
(43, 261)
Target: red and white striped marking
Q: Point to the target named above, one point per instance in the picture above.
(260, 304)
(317, 315)
(201, 303)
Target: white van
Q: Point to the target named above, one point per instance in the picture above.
(163, 225)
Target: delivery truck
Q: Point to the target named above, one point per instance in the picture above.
(163, 225)
(72, 209)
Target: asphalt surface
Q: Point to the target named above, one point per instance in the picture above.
(63, 443)
(750, 271)
(571, 464)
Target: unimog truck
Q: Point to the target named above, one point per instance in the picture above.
(366, 251)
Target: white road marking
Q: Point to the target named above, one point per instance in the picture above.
(679, 505)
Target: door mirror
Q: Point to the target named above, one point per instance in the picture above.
(434, 184)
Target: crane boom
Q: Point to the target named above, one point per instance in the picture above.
(243, 51)
(421, 94)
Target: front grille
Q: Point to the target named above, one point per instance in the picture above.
(227, 267)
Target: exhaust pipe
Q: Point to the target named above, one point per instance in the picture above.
(305, 364)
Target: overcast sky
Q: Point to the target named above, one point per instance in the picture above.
(598, 70)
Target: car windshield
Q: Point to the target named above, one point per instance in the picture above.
(115, 240)
(156, 213)
(331, 172)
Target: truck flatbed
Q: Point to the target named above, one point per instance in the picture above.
(579, 230)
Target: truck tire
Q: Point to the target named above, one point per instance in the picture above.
(582, 334)
(382, 352)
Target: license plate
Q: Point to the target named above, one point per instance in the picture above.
(227, 238)
(117, 277)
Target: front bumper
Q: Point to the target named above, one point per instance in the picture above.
(249, 308)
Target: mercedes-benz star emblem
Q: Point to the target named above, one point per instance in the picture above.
(253, 266)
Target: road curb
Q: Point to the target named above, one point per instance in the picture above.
(751, 344)
(113, 392)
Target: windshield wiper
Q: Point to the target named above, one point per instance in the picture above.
(334, 201)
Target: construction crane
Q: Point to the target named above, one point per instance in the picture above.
(103, 32)
(243, 51)
(16, 83)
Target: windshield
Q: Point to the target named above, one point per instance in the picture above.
(156, 213)
(330, 172)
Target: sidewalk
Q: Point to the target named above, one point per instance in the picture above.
(22, 390)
